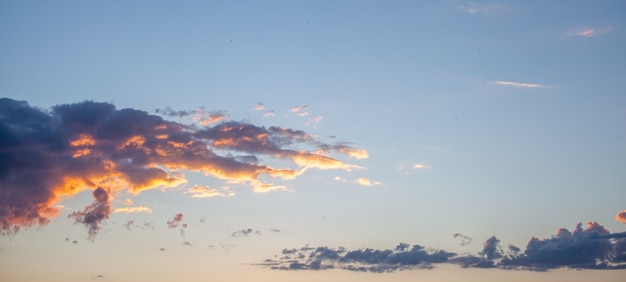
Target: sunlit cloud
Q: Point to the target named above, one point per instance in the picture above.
(621, 216)
(268, 114)
(94, 146)
(421, 166)
(314, 121)
(588, 32)
(519, 84)
(366, 182)
(207, 192)
(136, 209)
(259, 107)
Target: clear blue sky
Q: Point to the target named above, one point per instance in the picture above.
(483, 118)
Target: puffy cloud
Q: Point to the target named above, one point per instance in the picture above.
(48, 154)
(621, 216)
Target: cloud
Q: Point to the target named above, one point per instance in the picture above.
(591, 248)
(95, 213)
(178, 218)
(245, 232)
(465, 240)
(519, 84)
(259, 107)
(621, 216)
(474, 8)
(366, 182)
(421, 166)
(70, 148)
(133, 209)
(300, 110)
(402, 257)
(588, 32)
(207, 192)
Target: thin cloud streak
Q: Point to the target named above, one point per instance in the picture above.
(519, 84)
(137, 209)
(588, 32)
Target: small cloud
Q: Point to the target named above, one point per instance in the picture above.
(207, 192)
(588, 32)
(474, 8)
(621, 216)
(178, 218)
(268, 114)
(519, 84)
(259, 107)
(187, 243)
(421, 166)
(275, 230)
(314, 121)
(338, 178)
(245, 232)
(128, 202)
(299, 109)
(465, 240)
(366, 182)
(133, 209)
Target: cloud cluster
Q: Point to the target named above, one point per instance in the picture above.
(46, 155)
(593, 247)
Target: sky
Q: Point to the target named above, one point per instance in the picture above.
(312, 140)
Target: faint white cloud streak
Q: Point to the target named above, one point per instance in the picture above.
(519, 84)
(421, 166)
(588, 32)
(474, 8)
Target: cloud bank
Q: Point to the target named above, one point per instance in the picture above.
(46, 155)
(593, 247)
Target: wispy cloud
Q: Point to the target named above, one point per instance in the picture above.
(245, 232)
(259, 107)
(133, 209)
(474, 8)
(207, 192)
(591, 248)
(421, 166)
(519, 84)
(588, 32)
(94, 146)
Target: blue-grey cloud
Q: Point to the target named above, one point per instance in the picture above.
(593, 247)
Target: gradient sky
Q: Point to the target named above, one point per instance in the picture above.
(392, 121)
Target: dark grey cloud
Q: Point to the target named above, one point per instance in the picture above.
(95, 213)
(245, 232)
(46, 154)
(593, 247)
(178, 218)
(465, 240)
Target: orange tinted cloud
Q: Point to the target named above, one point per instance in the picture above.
(621, 216)
(366, 182)
(133, 209)
(207, 192)
(94, 146)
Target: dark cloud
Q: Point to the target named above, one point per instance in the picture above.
(245, 232)
(402, 257)
(593, 247)
(178, 218)
(70, 148)
(465, 240)
(95, 213)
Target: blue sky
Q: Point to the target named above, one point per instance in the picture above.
(484, 118)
